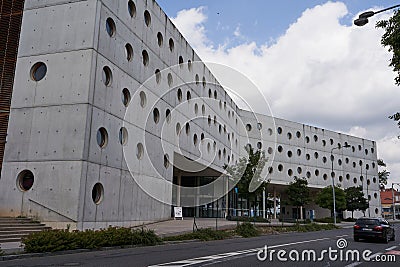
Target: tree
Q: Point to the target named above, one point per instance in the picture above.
(355, 199)
(248, 169)
(325, 199)
(382, 175)
(298, 192)
(390, 39)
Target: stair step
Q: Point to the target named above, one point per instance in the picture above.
(20, 231)
(9, 240)
(19, 235)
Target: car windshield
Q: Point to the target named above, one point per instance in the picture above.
(367, 221)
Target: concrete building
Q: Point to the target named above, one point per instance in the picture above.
(111, 109)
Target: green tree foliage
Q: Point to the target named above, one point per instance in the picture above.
(383, 175)
(248, 169)
(355, 199)
(391, 39)
(298, 192)
(325, 199)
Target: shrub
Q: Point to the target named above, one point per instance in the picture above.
(349, 220)
(247, 229)
(247, 219)
(58, 240)
(206, 234)
(327, 220)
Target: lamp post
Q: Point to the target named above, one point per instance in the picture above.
(333, 181)
(363, 17)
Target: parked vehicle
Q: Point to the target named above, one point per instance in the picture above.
(373, 229)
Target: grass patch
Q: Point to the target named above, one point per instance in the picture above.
(247, 230)
(59, 240)
(313, 227)
(204, 234)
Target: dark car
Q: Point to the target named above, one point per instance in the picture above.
(373, 229)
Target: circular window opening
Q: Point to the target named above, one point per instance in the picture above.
(372, 150)
(160, 39)
(280, 149)
(340, 162)
(316, 155)
(308, 175)
(299, 170)
(187, 128)
(195, 139)
(270, 132)
(308, 157)
(97, 193)
(298, 134)
(376, 211)
(126, 97)
(202, 137)
(197, 79)
(299, 152)
(110, 27)
(156, 115)
(331, 141)
(147, 18)
(347, 160)
(316, 172)
(248, 127)
(215, 94)
(158, 75)
(25, 180)
(171, 44)
(180, 60)
(102, 137)
(178, 128)
(209, 93)
(139, 151)
(170, 79)
(270, 150)
(107, 76)
(290, 154)
(307, 139)
(279, 130)
(323, 142)
(324, 159)
(359, 147)
(315, 138)
(289, 135)
(290, 172)
(131, 8)
(259, 145)
(270, 170)
(208, 147)
(196, 109)
(325, 177)
(348, 176)
(355, 180)
(145, 56)
(38, 71)
(209, 120)
(204, 82)
(123, 136)
(188, 96)
(189, 65)
(259, 125)
(128, 52)
(203, 110)
(179, 95)
(366, 151)
(143, 99)
(280, 167)
(168, 115)
(340, 178)
(374, 180)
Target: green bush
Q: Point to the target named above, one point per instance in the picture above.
(201, 234)
(247, 229)
(313, 227)
(327, 220)
(58, 240)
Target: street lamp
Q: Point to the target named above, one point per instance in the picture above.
(363, 17)
(333, 182)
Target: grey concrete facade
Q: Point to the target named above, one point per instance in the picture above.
(102, 82)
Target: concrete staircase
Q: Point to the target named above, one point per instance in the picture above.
(14, 229)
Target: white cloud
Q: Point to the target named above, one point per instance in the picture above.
(318, 72)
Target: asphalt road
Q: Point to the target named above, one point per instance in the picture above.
(238, 252)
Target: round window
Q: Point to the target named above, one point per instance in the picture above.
(110, 27)
(97, 193)
(102, 137)
(25, 180)
(38, 71)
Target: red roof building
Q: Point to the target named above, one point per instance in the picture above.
(387, 203)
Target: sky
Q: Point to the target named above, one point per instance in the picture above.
(307, 58)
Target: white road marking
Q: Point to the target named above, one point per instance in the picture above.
(339, 236)
(391, 248)
(205, 259)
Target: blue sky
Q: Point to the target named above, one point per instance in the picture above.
(261, 21)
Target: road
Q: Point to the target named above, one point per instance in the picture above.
(237, 252)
